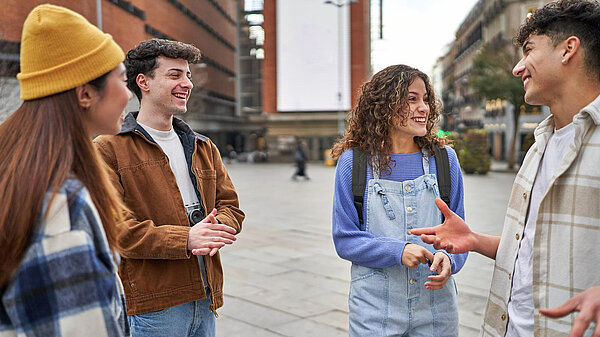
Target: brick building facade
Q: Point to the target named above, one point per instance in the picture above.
(210, 25)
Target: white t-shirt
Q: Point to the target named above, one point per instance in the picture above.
(171, 145)
(520, 306)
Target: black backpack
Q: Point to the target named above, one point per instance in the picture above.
(359, 176)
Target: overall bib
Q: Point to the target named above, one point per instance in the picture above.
(394, 301)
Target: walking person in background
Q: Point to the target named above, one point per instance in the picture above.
(181, 199)
(300, 158)
(394, 292)
(546, 255)
(58, 212)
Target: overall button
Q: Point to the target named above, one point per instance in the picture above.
(411, 281)
(407, 188)
(409, 209)
(524, 195)
(503, 317)
(517, 236)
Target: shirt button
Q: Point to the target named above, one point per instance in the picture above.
(524, 195)
(517, 236)
(509, 276)
(409, 209)
(411, 281)
(407, 188)
(503, 317)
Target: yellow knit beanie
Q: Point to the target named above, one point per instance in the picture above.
(61, 50)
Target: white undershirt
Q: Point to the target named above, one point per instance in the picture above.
(171, 145)
(520, 306)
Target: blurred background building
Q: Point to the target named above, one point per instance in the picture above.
(490, 24)
(223, 96)
(317, 55)
(272, 72)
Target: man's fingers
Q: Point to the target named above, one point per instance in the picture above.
(200, 251)
(428, 238)
(562, 310)
(582, 321)
(425, 230)
(443, 207)
(221, 228)
(597, 328)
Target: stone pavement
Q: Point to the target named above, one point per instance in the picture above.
(283, 276)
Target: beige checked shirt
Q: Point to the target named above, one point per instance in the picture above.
(567, 234)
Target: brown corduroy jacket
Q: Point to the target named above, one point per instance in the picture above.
(156, 268)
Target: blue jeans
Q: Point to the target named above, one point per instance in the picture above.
(192, 319)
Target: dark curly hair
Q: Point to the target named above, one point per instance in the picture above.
(142, 58)
(561, 19)
(382, 103)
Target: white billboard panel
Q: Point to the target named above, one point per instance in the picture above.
(313, 63)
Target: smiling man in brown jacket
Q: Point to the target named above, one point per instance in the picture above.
(181, 199)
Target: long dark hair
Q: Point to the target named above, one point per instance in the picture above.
(41, 144)
(381, 105)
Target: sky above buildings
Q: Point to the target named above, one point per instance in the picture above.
(415, 32)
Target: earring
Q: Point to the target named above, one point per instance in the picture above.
(564, 61)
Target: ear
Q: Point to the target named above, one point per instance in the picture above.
(142, 82)
(85, 96)
(570, 47)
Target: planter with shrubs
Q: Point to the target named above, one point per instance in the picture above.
(474, 155)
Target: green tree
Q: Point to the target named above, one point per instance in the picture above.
(491, 78)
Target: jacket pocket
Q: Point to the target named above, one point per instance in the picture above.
(207, 184)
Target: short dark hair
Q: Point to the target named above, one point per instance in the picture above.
(142, 58)
(561, 19)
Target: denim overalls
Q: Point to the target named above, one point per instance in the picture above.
(394, 301)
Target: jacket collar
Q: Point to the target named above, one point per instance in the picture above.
(130, 124)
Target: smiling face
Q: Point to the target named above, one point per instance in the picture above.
(168, 91)
(106, 105)
(540, 70)
(417, 110)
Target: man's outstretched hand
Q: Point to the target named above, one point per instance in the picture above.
(588, 305)
(454, 236)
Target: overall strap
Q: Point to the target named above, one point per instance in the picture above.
(442, 165)
(359, 177)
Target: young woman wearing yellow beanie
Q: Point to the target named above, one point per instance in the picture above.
(58, 276)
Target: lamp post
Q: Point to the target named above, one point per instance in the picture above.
(341, 115)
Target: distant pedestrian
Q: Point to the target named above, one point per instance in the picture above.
(394, 292)
(230, 154)
(547, 254)
(300, 158)
(58, 214)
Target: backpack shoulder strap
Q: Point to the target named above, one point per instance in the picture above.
(442, 165)
(359, 176)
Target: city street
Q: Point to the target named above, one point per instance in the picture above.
(283, 276)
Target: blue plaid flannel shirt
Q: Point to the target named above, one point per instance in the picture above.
(67, 283)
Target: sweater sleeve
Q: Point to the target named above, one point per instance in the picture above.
(457, 261)
(352, 243)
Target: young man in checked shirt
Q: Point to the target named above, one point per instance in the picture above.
(546, 255)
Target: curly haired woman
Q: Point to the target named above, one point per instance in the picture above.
(400, 286)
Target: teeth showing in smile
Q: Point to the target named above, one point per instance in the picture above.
(420, 119)
(526, 81)
(182, 96)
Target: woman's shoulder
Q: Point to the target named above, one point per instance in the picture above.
(65, 210)
(452, 157)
